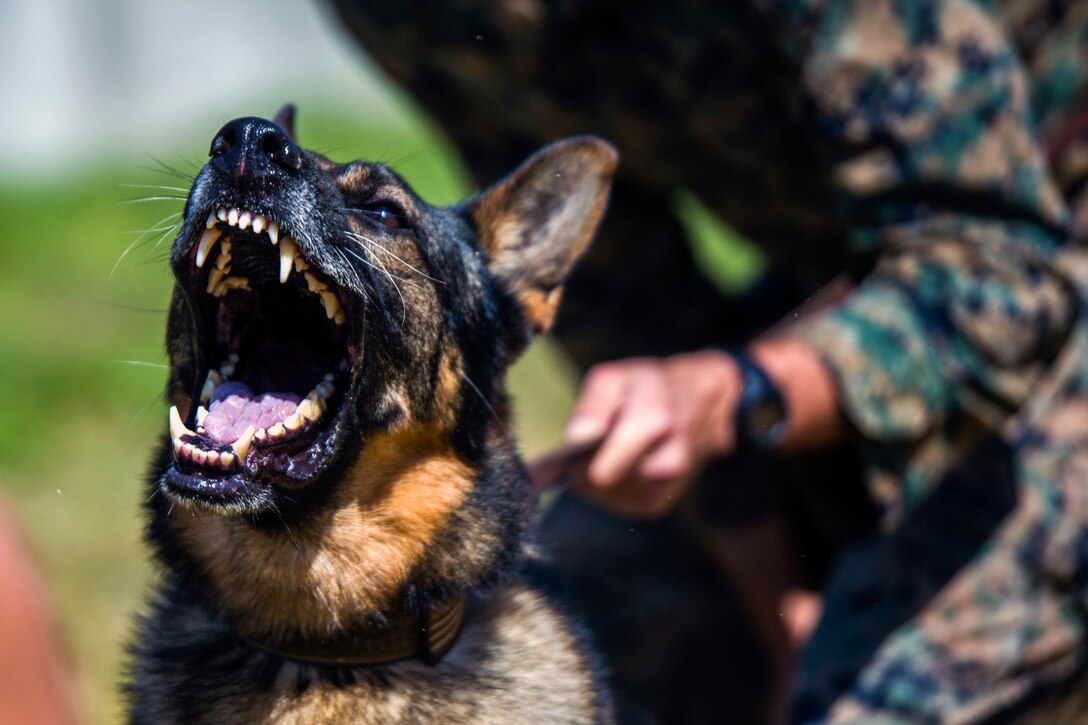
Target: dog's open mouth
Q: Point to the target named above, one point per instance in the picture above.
(277, 346)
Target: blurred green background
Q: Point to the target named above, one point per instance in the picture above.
(84, 282)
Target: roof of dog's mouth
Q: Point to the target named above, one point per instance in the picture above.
(275, 337)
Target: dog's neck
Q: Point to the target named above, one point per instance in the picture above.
(427, 636)
(348, 566)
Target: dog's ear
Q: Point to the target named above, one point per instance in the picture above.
(285, 119)
(534, 224)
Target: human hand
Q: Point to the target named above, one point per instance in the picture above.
(643, 428)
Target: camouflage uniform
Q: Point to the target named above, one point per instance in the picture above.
(898, 141)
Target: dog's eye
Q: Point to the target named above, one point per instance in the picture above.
(385, 214)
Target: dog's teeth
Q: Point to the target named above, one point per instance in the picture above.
(300, 264)
(188, 450)
(200, 455)
(226, 369)
(207, 239)
(230, 283)
(313, 283)
(274, 232)
(221, 214)
(201, 414)
(312, 407)
(213, 381)
(244, 219)
(294, 421)
(177, 426)
(288, 252)
(325, 389)
(226, 459)
(259, 223)
(260, 435)
(241, 446)
(277, 431)
(214, 278)
(340, 318)
(223, 259)
(232, 217)
(332, 305)
(211, 220)
(177, 447)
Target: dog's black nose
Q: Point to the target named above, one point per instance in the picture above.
(254, 147)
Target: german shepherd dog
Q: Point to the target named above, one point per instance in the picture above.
(339, 510)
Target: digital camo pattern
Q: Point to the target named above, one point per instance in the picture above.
(934, 150)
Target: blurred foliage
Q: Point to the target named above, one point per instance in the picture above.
(83, 290)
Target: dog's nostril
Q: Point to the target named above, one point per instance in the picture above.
(280, 150)
(220, 146)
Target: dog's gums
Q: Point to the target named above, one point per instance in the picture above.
(278, 326)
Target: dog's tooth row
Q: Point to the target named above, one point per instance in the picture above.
(243, 220)
(310, 409)
(184, 448)
(219, 280)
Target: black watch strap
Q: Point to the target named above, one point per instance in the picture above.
(761, 416)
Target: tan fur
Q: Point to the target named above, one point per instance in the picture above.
(519, 219)
(346, 563)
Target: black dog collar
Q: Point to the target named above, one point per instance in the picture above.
(428, 637)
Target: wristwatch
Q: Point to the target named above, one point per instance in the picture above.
(761, 416)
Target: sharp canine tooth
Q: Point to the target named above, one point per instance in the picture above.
(244, 219)
(221, 214)
(207, 239)
(259, 223)
(211, 220)
(288, 252)
(274, 232)
(177, 427)
(232, 217)
(241, 446)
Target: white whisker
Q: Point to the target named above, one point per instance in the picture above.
(371, 244)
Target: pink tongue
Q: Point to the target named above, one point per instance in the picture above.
(234, 408)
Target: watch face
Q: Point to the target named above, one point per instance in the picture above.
(766, 421)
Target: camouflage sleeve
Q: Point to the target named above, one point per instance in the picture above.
(926, 108)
